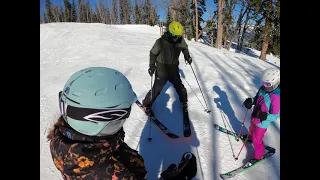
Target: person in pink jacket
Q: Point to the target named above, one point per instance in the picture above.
(266, 109)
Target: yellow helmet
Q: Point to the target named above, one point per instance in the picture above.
(176, 28)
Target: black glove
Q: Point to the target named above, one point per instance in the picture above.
(186, 169)
(248, 103)
(257, 113)
(189, 60)
(151, 69)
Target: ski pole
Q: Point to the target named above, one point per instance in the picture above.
(251, 126)
(206, 110)
(195, 94)
(149, 138)
(242, 124)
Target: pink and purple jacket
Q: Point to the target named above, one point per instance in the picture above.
(270, 103)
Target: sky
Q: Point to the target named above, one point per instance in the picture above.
(226, 79)
(160, 11)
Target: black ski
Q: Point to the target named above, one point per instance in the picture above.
(248, 165)
(161, 126)
(186, 124)
(224, 130)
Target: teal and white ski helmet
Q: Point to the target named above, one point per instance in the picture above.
(96, 101)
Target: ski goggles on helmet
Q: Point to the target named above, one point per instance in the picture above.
(174, 36)
(267, 84)
(89, 114)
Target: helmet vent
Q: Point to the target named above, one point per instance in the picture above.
(97, 75)
(101, 92)
(118, 86)
(71, 82)
(78, 94)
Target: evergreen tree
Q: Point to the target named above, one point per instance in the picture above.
(49, 11)
(73, 11)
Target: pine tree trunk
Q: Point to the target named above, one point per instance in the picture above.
(153, 19)
(239, 40)
(244, 30)
(242, 38)
(79, 11)
(212, 39)
(229, 39)
(196, 7)
(65, 16)
(266, 33)
(241, 15)
(237, 29)
(173, 6)
(56, 14)
(110, 13)
(266, 37)
(99, 16)
(115, 11)
(229, 44)
(220, 26)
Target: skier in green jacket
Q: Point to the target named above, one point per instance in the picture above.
(164, 63)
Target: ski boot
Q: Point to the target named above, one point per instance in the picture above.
(245, 137)
(252, 161)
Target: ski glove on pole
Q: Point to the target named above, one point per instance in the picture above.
(257, 113)
(189, 60)
(152, 68)
(248, 103)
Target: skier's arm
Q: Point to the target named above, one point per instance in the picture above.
(274, 111)
(118, 170)
(154, 52)
(185, 49)
(131, 159)
(254, 100)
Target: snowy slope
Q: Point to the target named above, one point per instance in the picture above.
(226, 79)
(247, 51)
(256, 54)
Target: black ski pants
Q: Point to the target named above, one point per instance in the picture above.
(159, 83)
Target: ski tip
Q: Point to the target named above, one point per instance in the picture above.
(224, 176)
